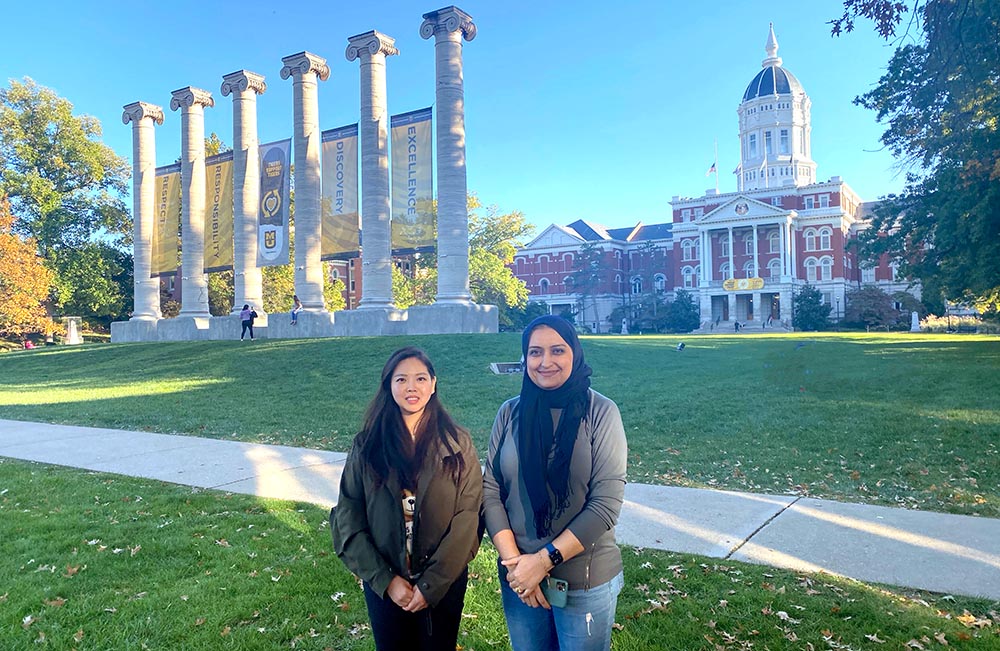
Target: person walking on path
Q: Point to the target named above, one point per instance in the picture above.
(296, 308)
(247, 315)
(407, 521)
(552, 492)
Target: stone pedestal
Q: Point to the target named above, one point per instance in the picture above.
(123, 332)
(914, 322)
(229, 327)
(305, 68)
(449, 26)
(440, 319)
(310, 324)
(371, 48)
(247, 278)
(183, 328)
(194, 282)
(146, 290)
(371, 322)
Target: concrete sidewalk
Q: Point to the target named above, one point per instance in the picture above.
(919, 549)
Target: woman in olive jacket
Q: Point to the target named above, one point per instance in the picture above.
(407, 519)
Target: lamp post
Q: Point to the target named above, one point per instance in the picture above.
(838, 310)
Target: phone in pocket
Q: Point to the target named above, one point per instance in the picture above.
(556, 591)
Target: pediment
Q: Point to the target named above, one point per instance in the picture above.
(742, 209)
(554, 236)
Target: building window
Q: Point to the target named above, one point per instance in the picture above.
(688, 274)
(774, 269)
(773, 242)
(688, 250)
(660, 283)
(810, 203)
(776, 201)
(824, 201)
(868, 275)
(767, 143)
(568, 283)
(826, 298)
(826, 267)
(894, 268)
(568, 261)
(334, 273)
(725, 271)
(724, 245)
(543, 286)
(783, 142)
(748, 270)
(753, 145)
(802, 140)
(686, 215)
(748, 244)
(810, 265)
(637, 285)
(824, 239)
(543, 263)
(618, 284)
(810, 236)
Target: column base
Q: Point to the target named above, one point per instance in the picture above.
(370, 322)
(229, 327)
(133, 331)
(457, 299)
(310, 323)
(183, 328)
(451, 318)
(376, 304)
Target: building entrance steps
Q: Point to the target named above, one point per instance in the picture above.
(917, 549)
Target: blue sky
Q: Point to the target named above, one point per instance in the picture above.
(600, 111)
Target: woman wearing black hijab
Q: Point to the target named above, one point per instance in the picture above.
(552, 490)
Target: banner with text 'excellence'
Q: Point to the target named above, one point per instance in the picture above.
(341, 229)
(219, 212)
(272, 216)
(164, 260)
(412, 186)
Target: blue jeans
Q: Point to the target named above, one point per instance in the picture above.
(583, 625)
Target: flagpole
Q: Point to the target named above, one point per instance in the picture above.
(716, 166)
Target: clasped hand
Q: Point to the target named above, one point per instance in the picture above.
(525, 573)
(406, 596)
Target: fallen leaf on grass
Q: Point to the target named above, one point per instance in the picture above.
(913, 644)
(971, 621)
(199, 621)
(27, 621)
(3, 597)
(78, 636)
(874, 638)
(942, 640)
(71, 570)
(58, 602)
(226, 631)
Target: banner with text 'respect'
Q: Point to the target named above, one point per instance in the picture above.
(219, 212)
(272, 216)
(166, 226)
(341, 228)
(412, 186)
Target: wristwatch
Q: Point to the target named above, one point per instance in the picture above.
(555, 556)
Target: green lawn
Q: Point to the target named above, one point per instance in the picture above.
(898, 419)
(96, 561)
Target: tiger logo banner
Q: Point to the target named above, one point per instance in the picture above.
(272, 216)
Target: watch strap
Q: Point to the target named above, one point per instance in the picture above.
(555, 556)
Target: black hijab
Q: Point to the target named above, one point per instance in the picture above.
(536, 438)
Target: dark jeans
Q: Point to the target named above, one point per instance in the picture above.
(431, 629)
(247, 325)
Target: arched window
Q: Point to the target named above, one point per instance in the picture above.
(774, 268)
(826, 268)
(543, 286)
(724, 245)
(810, 236)
(824, 239)
(689, 275)
(636, 285)
(568, 261)
(748, 270)
(688, 249)
(543, 263)
(568, 283)
(868, 275)
(725, 271)
(810, 265)
(748, 244)
(334, 273)
(773, 242)
(618, 284)
(660, 283)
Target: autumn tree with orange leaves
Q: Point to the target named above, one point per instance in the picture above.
(24, 281)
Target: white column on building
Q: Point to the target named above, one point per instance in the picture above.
(756, 257)
(194, 282)
(732, 245)
(247, 278)
(371, 48)
(305, 68)
(706, 260)
(793, 253)
(781, 249)
(449, 26)
(146, 292)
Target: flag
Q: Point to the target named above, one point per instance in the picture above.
(219, 212)
(710, 170)
(340, 233)
(168, 219)
(738, 169)
(272, 215)
(412, 188)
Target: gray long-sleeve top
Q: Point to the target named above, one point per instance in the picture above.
(597, 488)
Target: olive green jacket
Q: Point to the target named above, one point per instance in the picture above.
(369, 532)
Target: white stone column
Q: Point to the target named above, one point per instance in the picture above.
(756, 251)
(781, 250)
(194, 282)
(305, 68)
(732, 245)
(449, 26)
(371, 48)
(146, 292)
(793, 251)
(247, 277)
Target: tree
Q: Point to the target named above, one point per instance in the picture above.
(683, 314)
(586, 276)
(521, 317)
(871, 307)
(940, 100)
(24, 281)
(66, 187)
(93, 281)
(808, 309)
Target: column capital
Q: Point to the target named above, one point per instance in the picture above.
(136, 111)
(373, 41)
(304, 62)
(242, 80)
(450, 19)
(189, 96)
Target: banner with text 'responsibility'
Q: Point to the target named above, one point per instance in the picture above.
(166, 226)
(341, 228)
(272, 217)
(412, 186)
(219, 212)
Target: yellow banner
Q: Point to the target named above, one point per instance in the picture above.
(164, 260)
(219, 212)
(742, 284)
(412, 187)
(341, 228)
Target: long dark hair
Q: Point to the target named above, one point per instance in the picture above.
(386, 444)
